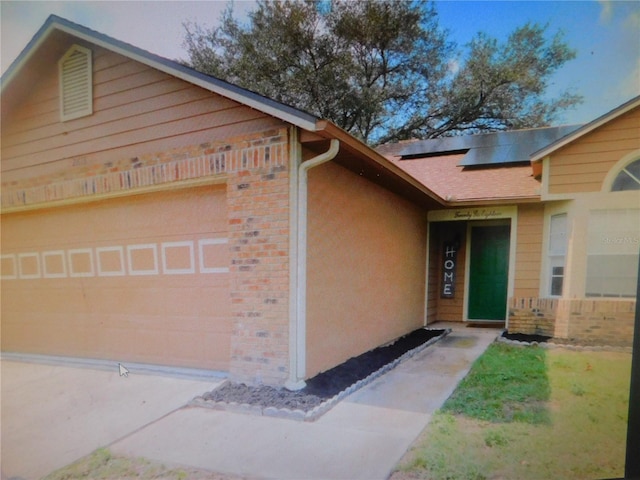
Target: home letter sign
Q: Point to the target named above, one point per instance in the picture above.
(449, 271)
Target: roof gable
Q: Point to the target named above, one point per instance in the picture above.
(55, 24)
(57, 34)
(585, 129)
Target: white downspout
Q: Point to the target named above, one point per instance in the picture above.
(298, 324)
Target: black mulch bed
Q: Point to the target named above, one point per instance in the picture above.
(330, 383)
(522, 337)
(326, 384)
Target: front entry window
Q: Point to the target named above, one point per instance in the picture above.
(557, 253)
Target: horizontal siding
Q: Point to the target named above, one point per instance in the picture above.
(46, 124)
(528, 250)
(44, 98)
(137, 110)
(582, 165)
(158, 112)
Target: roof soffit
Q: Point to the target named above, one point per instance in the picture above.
(367, 163)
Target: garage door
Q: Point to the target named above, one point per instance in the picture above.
(142, 278)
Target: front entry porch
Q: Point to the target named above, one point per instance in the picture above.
(470, 274)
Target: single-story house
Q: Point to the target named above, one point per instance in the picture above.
(154, 214)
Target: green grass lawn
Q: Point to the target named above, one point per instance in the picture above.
(529, 413)
(506, 384)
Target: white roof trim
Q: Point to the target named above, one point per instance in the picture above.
(589, 127)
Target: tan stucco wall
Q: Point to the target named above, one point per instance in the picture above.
(141, 279)
(366, 267)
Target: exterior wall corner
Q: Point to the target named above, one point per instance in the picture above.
(259, 239)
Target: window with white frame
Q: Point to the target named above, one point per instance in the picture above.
(612, 253)
(628, 178)
(76, 84)
(557, 253)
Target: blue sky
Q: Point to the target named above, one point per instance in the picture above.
(606, 34)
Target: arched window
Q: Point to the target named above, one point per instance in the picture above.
(628, 178)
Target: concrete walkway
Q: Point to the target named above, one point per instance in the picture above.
(53, 415)
(363, 437)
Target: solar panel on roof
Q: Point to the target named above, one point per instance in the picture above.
(491, 148)
(437, 145)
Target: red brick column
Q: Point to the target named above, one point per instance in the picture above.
(258, 209)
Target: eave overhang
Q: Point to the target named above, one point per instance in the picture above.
(367, 163)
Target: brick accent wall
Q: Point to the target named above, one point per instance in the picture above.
(258, 205)
(600, 322)
(583, 321)
(209, 159)
(532, 316)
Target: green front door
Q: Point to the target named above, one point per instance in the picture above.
(488, 273)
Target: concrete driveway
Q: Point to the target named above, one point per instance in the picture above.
(54, 415)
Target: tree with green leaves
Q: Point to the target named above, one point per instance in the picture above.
(382, 69)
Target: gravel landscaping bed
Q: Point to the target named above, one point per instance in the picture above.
(323, 390)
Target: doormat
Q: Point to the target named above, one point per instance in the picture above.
(324, 390)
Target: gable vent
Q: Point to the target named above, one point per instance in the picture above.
(75, 83)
